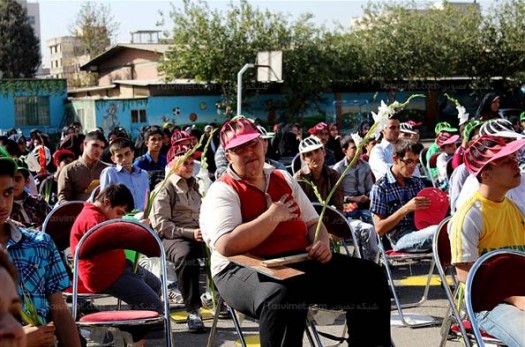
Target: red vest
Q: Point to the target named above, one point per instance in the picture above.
(288, 236)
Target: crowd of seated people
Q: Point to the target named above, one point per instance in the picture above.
(478, 166)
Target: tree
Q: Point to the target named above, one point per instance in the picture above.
(95, 26)
(19, 47)
(212, 46)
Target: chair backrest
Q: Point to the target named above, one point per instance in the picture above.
(296, 163)
(334, 221)
(59, 222)
(432, 162)
(118, 234)
(494, 277)
(450, 168)
(423, 157)
(441, 247)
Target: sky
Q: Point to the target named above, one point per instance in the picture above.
(57, 16)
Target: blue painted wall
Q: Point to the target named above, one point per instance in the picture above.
(55, 89)
(201, 110)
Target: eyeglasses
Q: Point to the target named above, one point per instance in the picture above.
(409, 162)
(242, 148)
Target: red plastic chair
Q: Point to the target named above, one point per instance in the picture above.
(59, 222)
(122, 234)
(494, 276)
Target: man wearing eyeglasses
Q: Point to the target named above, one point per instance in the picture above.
(394, 200)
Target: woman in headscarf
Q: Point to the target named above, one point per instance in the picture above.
(363, 128)
(488, 108)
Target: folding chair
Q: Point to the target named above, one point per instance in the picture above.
(59, 222)
(337, 224)
(242, 339)
(391, 256)
(442, 259)
(489, 282)
(122, 234)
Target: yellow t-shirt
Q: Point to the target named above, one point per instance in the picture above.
(481, 225)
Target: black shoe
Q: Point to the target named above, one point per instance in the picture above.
(224, 312)
(195, 324)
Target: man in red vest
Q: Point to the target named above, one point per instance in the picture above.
(254, 208)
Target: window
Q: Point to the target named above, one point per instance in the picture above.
(32, 110)
(138, 116)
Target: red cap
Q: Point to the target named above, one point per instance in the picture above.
(237, 132)
(178, 151)
(437, 210)
(413, 124)
(321, 126)
(60, 153)
(179, 136)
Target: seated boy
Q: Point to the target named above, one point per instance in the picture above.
(42, 275)
(133, 177)
(324, 178)
(152, 161)
(29, 210)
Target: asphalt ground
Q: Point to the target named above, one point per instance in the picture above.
(409, 279)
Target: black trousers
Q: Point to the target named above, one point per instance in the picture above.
(184, 254)
(281, 306)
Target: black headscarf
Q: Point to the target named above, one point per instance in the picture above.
(484, 111)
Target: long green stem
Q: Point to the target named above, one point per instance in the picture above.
(340, 180)
(395, 106)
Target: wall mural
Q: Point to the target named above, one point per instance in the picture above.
(110, 118)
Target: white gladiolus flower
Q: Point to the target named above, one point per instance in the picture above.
(357, 139)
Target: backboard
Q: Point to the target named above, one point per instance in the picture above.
(269, 66)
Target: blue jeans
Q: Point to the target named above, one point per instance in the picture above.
(416, 241)
(506, 322)
(140, 290)
(366, 239)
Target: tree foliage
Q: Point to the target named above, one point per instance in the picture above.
(95, 26)
(212, 46)
(19, 47)
(394, 42)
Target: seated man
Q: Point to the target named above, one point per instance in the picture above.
(110, 272)
(357, 183)
(487, 221)
(394, 199)
(78, 179)
(324, 178)
(257, 209)
(175, 217)
(42, 275)
(320, 130)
